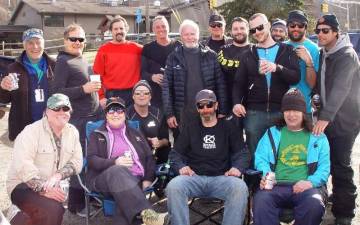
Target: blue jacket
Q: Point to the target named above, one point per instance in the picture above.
(318, 158)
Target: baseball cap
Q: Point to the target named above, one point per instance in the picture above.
(205, 95)
(216, 18)
(58, 100)
(115, 101)
(32, 33)
(297, 16)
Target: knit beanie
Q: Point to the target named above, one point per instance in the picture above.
(330, 20)
(141, 83)
(293, 100)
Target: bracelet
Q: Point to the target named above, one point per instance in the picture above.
(309, 66)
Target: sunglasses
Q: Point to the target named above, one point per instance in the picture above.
(299, 25)
(63, 108)
(259, 28)
(323, 30)
(112, 111)
(207, 105)
(75, 39)
(219, 25)
(142, 93)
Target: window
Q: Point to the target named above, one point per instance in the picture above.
(54, 21)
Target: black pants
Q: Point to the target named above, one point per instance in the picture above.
(76, 193)
(119, 183)
(344, 189)
(125, 94)
(36, 209)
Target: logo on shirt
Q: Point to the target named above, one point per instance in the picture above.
(151, 124)
(209, 142)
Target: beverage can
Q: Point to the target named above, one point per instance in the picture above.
(270, 180)
(127, 154)
(15, 81)
(65, 185)
(95, 77)
(261, 62)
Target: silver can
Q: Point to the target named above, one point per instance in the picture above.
(270, 180)
(128, 154)
(65, 185)
(15, 81)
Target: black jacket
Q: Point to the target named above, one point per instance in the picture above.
(20, 111)
(250, 87)
(175, 80)
(98, 153)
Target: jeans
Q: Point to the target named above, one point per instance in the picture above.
(344, 189)
(308, 206)
(232, 190)
(255, 124)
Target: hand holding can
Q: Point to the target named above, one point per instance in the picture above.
(262, 65)
(270, 181)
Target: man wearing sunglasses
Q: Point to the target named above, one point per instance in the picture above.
(338, 83)
(264, 77)
(72, 79)
(209, 157)
(306, 50)
(45, 152)
(34, 69)
(217, 37)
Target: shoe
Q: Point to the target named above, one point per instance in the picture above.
(82, 213)
(343, 221)
(150, 217)
(11, 212)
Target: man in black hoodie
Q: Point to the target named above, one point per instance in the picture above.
(209, 157)
(338, 83)
(267, 72)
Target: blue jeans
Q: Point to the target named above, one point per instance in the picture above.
(255, 124)
(232, 190)
(308, 206)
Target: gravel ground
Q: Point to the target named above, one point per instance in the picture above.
(159, 204)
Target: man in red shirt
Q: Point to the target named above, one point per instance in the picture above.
(118, 62)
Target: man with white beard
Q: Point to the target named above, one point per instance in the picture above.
(190, 68)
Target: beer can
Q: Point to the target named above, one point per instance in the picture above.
(15, 81)
(270, 180)
(65, 185)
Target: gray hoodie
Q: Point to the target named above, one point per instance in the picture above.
(339, 84)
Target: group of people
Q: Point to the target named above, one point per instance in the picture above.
(203, 92)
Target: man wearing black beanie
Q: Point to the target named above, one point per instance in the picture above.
(338, 83)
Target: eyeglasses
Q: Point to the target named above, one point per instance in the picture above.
(259, 28)
(323, 30)
(112, 111)
(142, 93)
(207, 105)
(63, 108)
(213, 25)
(75, 39)
(299, 25)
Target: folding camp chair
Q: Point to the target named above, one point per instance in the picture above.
(107, 205)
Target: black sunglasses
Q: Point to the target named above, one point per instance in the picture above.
(112, 111)
(299, 25)
(63, 108)
(259, 28)
(219, 25)
(142, 93)
(202, 105)
(75, 39)
(323, 30)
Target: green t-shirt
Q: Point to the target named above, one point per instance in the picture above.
(291, 165)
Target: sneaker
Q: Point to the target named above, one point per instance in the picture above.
(82, 213)
(150, 217)
(12, 211)
(343, 221)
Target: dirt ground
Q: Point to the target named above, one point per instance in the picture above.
(159, 204)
